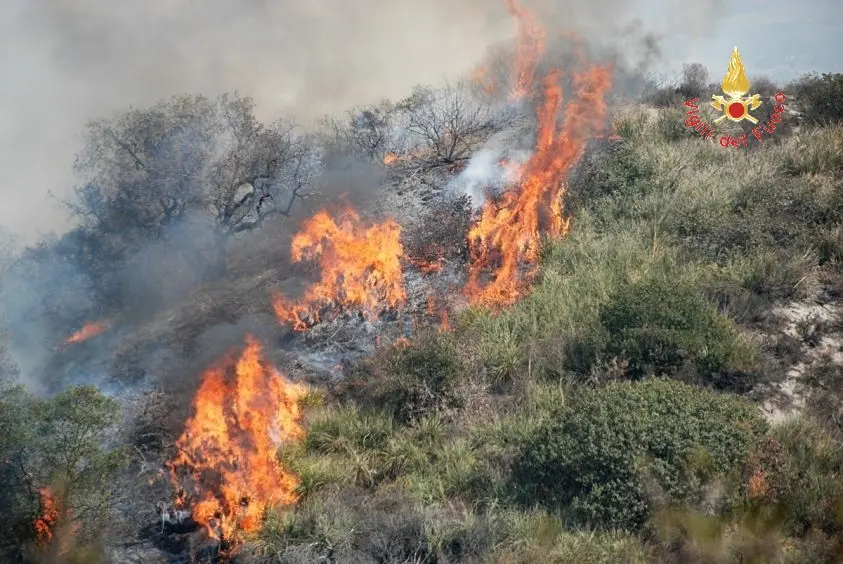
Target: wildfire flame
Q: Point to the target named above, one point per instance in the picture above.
(55, 529)
(735, 83)
(360, 265)
(528, 51)
(88, 330)
(390, 158)
(48, 518)
(242, 411)
(508, 231)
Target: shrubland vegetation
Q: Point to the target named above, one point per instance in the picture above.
(610, 416)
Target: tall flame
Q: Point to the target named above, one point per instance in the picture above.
(360, 265)
(241, 413)
(508, 232)
(735, 83)
(529, 49)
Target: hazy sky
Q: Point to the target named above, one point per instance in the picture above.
(63, 62)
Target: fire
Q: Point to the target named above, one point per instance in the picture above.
(88, 330)
(390, 158)
(429, 266)
(444, 324)
(528, 51)
(429, 259)
(47, 520)
(242, 411)
(507, 234)
(360, 266)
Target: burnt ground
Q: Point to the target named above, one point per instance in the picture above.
(153, 364)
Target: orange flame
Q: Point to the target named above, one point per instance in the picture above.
(390, 158)
(361, 268)
(241, 413)
(508, 231)
(428, 266)
(528, 52)
(444, 324)
(88, 330)
(47, 520)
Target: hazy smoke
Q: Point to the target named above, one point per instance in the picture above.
(67, 61)
(485, 170)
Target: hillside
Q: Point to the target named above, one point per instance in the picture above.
(498, 321)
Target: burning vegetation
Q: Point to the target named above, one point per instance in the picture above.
(360, 268)
(242, 412)
(48, 517)
(89, 330)
(423, 403)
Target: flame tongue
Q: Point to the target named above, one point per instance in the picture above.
(228, 448)
(508, 232)
(360, 267)
(88, 330)
(46, 521)
(528, 52)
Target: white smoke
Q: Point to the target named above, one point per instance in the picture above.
(485, 172)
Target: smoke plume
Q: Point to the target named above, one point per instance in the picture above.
(69, 61)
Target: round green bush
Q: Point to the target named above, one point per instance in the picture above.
(664, 327)
(599, 459)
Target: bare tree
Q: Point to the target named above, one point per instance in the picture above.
(146, 170)
(370, 132)
(143, 170)
(694, 81)
(492, 80)
(448, 124)
(260, 171)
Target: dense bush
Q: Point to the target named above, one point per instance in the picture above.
(820, 97)
(607, 170)
(600, 461)
(693, 84)
(665, 327)
(797, 471)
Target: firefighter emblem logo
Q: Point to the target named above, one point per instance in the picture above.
(735, 86)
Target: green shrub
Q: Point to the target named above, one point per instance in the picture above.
(607, 170)
(665, 327)
(59, 444)
(820, 97)
(599, 461)
(822, 388)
